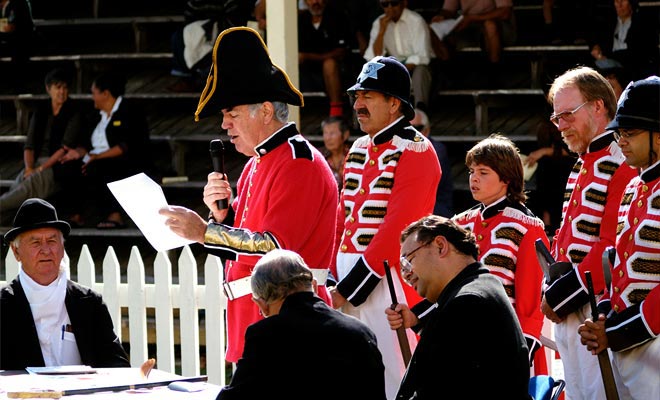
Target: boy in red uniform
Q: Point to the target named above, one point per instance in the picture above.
(506, 231)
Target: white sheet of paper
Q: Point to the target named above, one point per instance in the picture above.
(444, 27)
(141, 198)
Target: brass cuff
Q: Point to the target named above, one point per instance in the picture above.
(238, 239)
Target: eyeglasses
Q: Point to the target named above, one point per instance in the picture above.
(567, 116)
(391, 3)
(623, 134)
(405, 263)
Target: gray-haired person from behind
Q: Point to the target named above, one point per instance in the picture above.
(302, 343)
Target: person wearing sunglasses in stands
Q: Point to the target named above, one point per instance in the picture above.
(584, 104)
(456, 356)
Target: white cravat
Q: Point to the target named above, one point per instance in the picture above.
(50, 315)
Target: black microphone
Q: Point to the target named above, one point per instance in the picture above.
(217, 150)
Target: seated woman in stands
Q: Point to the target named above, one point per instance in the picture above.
(54, 132)
(116, 149)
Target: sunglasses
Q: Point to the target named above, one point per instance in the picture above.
(392, 3)
(568, 116)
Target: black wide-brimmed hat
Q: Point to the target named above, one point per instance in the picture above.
(386, 75)
(35, 214)
(243, 73)
(639, 106)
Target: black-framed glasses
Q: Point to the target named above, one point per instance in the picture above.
(405, 262)
(391, 3)
(568, 116)
(626, 134)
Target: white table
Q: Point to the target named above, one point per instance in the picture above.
(16, 381)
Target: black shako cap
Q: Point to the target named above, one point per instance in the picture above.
(388, 76)
(639, 106)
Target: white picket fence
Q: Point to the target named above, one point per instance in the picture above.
(164, 297)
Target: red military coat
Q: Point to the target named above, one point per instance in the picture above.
(506, 233)
(635, 294)
(286, 196)
(390, 181)
(593, 195)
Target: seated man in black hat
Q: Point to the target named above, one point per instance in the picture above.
(286, 195)
(45, 318)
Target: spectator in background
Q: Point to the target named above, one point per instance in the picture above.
(50, 155)
(471, 345)
(361, 16)
(629, 320)
(277, 363)
(335, 141)
(192, 44)
(16, 36)
(445, 193)
(628, 38)
(45, 318)
(403, 34)
(117, 148)
(322, 32)
(487, 23)
(584, 104)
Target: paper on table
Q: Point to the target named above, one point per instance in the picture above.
(62, 370)
(444, 27)
(141, 198)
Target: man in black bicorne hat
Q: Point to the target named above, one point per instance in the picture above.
(286, 196)
(45, 318)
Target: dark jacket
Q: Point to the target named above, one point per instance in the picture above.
(97, 342)
(640, 59)
(128, 128)
(308, 351)
(47, 133)
(471, 346)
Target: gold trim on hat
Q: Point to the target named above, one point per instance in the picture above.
(211, 80)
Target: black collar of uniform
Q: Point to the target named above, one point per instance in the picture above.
(396, 129)
(652, 173)
(495, 208)
(601, 142)
(285, 133)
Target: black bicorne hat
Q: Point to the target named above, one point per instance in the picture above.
(243, 73)
(388, 76)
(35, 214)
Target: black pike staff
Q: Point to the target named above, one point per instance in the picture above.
(603, 357)
(55, 394)
(401, 331)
